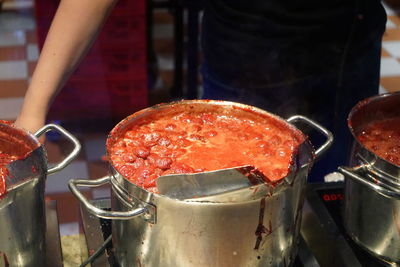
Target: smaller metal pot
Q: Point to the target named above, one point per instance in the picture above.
(22, 208)
(371, 209)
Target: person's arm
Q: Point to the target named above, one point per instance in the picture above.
(73, 30)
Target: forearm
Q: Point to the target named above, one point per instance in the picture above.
(73, 30)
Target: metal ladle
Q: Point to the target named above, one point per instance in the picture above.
(211, 183)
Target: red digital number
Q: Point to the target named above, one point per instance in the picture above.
(332, 197)
(327, 197)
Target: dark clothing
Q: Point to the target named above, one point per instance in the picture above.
(256, 43)
(295, 57)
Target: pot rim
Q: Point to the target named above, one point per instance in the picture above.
(114, 134)
(124, 122)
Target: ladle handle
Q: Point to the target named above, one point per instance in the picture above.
(355, 173)
(74, 153)
(119, 215)
(329, 137)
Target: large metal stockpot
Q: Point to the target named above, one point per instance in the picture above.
(371, 210)
(256, 226)
(22, 207)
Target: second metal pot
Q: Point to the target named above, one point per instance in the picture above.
(22, 208)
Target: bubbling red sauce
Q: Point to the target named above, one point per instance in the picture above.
(15, 144)
(205, 141)
(383, 138)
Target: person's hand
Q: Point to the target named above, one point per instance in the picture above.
(30, 123)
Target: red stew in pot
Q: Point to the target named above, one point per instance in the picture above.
(383, 138)
(13, 146)
(204, 141)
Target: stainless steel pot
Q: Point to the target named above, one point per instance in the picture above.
(371, 210)
(22, 210)
(258, 226)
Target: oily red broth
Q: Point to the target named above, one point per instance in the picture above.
(191, 142)
(382, 137)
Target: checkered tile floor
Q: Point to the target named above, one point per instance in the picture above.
(390, 62)
(18, 56)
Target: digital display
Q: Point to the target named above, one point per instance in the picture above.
(327, 197)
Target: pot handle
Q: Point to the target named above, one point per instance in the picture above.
(354, 173)
(119, 215)
(71, 156)
(329, 137)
